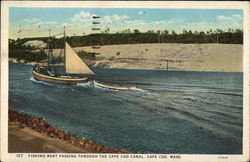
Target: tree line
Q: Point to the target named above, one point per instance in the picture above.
(231, 36)
(133, 37)
(22, 52)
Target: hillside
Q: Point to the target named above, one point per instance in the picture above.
(171, 56)
(190, 57)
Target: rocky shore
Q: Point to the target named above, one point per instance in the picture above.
(40, 125)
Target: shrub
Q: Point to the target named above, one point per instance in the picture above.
(86, 55)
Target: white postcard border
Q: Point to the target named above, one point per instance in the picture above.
(5, 156)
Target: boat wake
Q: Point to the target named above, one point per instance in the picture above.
(40, 82)
(85, 85)
(91, 84)
(46, 83)
(139, 89)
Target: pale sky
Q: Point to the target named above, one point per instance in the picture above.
(35, 22)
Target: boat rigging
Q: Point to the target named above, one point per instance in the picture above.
(72, 63)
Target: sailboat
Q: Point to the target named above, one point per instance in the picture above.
(73, 65)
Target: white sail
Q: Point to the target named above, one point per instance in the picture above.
(74, 64)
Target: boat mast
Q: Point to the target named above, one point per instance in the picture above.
(64, 43)
(48, 51)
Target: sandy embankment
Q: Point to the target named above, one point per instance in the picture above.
(175, 56)
(187, 57)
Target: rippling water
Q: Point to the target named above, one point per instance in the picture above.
(169, 112)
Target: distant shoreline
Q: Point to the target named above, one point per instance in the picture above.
(167, 56)
(32, 64)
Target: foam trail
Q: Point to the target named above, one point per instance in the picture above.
(47, 83)
(85, 85)
(40, 82)
(138, 89)
(143, 91)
(90, 84)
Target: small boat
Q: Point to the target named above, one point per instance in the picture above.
(113, 86)
(73, 65)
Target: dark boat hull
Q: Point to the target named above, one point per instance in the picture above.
(46, 78)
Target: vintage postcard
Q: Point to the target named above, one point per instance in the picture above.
(124, 81)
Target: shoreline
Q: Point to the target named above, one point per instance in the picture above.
(165, 56)
(22, 126)
(41, 64)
